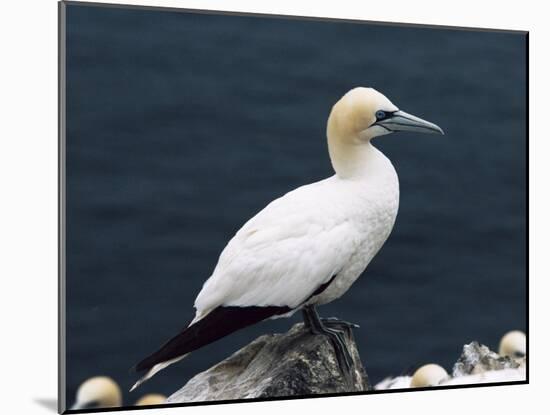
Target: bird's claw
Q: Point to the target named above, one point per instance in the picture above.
(336, 322)
(343, 355)
(337, 331)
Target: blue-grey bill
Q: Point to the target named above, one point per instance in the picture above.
(402, 121)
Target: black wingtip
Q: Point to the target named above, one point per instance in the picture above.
(142, 366)
(218, 323)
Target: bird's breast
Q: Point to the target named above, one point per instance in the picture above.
(373, 206)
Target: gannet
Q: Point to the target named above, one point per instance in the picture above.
(425, 376)
(307, 247)
(434, 375)
(428, 375)
(98, 392)
(513, 344)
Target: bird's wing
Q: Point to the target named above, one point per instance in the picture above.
(282, 255)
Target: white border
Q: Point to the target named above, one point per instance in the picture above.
(28, 182)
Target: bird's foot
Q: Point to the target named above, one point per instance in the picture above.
(335, 330)
(338, 323)
(345, 360)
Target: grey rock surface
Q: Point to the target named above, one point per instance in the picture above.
(290, 364)
(477, 358)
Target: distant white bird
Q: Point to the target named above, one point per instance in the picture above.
(434, 375)
(513, 344)
(98, 392)
(309, 246)
(427, 375)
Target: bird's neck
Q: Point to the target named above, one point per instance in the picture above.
(353, 159)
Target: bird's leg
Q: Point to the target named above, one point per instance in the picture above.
(307, 319)
(336, 336)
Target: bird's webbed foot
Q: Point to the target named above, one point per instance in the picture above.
(335, 330)
(335, 322)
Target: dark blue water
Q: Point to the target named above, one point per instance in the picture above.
(182, 126)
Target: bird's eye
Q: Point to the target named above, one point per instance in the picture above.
(380, 115)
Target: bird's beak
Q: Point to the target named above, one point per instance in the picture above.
(402, 121)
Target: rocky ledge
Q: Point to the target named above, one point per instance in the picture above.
(289, 364)
(298, 363)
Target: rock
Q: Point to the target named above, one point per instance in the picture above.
(290, 364)
(477, 358)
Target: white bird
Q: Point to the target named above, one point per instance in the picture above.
(428, 375)
(98, 392)
(307, 247)
(425, 376)
(434, 375)
(513, 344)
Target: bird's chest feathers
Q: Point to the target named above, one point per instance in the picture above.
(372, 201)
(372, 206)
(376, 207)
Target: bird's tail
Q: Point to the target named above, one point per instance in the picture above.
(155, 369)
(216, 324)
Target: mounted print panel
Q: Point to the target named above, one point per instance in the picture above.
(257, 207)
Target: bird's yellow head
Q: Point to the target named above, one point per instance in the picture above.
(428, 375)
(513, 344)
(98, 392)
(359, 116)
(364, 113)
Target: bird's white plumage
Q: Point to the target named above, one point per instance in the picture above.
(301, 240)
